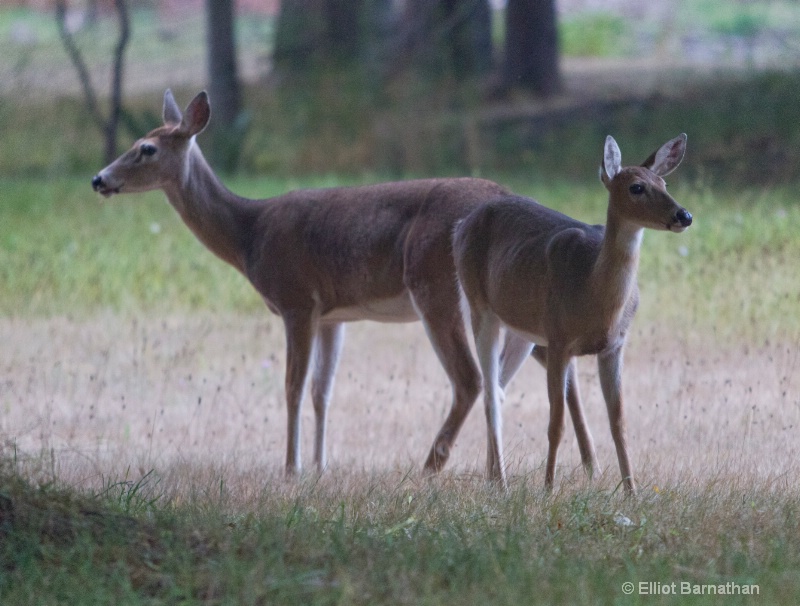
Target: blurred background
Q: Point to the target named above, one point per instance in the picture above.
(400, 88)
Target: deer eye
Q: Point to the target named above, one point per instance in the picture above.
(147, 149)
(637, 189)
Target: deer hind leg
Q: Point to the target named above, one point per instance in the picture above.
(299, 342)
(610, 367)
(328, 346)
(449, 339)
(487, 342)
(582, 433)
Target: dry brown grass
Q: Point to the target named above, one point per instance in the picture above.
(109, 394)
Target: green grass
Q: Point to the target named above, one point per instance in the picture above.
(393, 538)
(64, 251)
(129, 253)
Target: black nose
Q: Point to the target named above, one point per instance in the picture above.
(97, 182)
(684, 217)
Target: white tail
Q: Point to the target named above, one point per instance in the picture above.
(320, 258)
(568, 287)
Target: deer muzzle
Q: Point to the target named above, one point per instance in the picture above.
(102, 187)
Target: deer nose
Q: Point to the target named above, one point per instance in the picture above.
(684, 217)
(97, 182)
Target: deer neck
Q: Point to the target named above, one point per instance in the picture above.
(614, 273)
(213, 213)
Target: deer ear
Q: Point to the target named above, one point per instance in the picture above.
(171, 113)
(612, 160)
(197, 115)
(667, 157)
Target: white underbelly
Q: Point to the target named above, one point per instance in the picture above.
(396, 309)
(533, 338)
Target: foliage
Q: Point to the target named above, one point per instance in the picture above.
(594, 35)
(740, 131)
(740, 19)
(741, 126)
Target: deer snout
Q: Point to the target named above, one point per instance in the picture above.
(684, 217)
(100, 185)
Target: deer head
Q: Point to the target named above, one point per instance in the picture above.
(161, 154)
(638, 194)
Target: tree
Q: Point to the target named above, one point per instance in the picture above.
(531, 47)
(448, 37)
(228, 126)
(108, 124)
(314, 35)
(432, 37)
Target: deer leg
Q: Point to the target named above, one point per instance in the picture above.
(487, 341)
(299, 341)
(449, 338)
(610, 367)
(328, 346)
(515, 351)
(582, 433)
(557, 364)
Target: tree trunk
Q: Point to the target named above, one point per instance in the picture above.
(108, 125)
(344, 34)
(531, 46)
(223, 84)
(469, 37)
(313, 35)
(117, 77)
(433, 37)
(441, 37)
(296, 31)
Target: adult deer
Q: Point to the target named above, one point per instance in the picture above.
(567, 287)
(320, 258)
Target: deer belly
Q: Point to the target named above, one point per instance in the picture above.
(394, 309)
(533, 338)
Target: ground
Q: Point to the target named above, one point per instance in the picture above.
(120, 395)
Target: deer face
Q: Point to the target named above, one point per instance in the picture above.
(160, 155)
(638, 194)
(143, 167)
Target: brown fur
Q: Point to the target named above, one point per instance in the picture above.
(566, 286)
(322, 257)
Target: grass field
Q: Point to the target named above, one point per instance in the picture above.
(143, 428)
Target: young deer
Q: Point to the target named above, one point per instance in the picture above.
(567, 287)
(320, 258)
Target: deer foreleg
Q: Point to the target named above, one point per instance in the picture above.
(582, 433)
(610, 368)
(557, 364)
